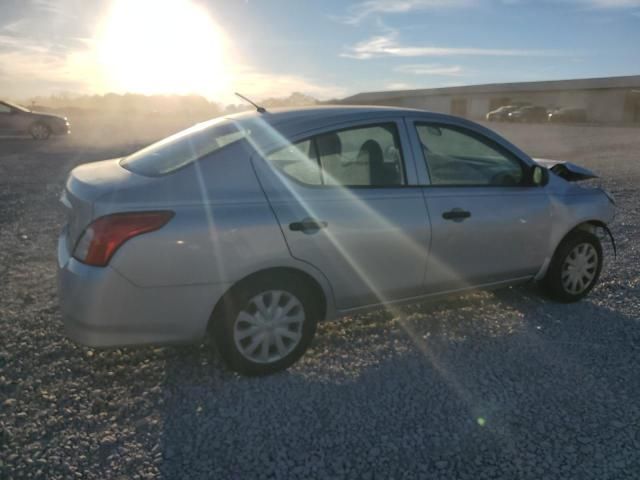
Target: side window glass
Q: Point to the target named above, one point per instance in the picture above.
(4, 109)
(299, 161)
(356, 157)
(367, 156)
(456, 157)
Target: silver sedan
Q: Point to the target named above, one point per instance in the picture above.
(254, 227)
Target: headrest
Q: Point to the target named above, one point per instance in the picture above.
(329, 144)
(373, 150)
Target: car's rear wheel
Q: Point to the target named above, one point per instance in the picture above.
(39, 131)
(264, 327)
(575, 267)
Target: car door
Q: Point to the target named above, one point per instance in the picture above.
(348, 203)
(489, 222)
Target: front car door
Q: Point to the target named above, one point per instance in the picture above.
(489, 222)
(347, 201)
(6, 119)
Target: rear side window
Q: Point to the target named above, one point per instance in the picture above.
(355, 157)
(184, 147)
(298, 161)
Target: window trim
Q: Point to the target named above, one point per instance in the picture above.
(332, 129)
(525, 182)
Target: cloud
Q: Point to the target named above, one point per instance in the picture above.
(47, 46)
(400, 86)
(260, 85)
(360, 11)
(31, 69)
(387, 45)
(431, 69)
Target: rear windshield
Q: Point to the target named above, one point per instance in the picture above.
(184, 147)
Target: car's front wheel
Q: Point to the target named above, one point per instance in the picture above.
(39, 131)
(574, 268)
(264, 327)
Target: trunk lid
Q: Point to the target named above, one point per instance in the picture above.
(85, 185)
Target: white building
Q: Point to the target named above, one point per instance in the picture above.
(605, 100)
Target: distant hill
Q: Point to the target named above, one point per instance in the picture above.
(131, 103)
(136, 120)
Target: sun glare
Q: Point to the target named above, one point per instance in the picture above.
(162, 46)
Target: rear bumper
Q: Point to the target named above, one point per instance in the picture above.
(101, 308)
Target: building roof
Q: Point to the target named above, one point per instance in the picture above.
(632, 81)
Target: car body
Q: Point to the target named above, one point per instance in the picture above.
(501, 114)
(339, 200)
(529, 113)
(18, 120)
(567, 115)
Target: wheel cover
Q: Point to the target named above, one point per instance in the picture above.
(269, 327)
(579, 268)
(40, 131)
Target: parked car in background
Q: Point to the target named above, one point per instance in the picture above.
(530, 113)
(254, 227)
(501, 114)
(568, 115)
(18, 120)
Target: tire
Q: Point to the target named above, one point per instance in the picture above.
(40, 131)
(575, 267)
(285, 335)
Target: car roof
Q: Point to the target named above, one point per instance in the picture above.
(277, 116)
(291, 121)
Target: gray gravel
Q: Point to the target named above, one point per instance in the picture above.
(488, 385)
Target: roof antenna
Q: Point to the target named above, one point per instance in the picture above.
(258, 107)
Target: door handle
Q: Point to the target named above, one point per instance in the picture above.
(308, 225)
(457, 215)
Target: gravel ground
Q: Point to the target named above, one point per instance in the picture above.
(487, 385)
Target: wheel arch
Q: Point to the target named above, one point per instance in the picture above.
(269, 274)
(589, 225)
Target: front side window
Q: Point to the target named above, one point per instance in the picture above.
(184, 147)
(4, 108)
(456, 157)
(357, 157)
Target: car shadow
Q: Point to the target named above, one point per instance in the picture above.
(498, 382)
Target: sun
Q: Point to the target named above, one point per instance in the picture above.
(162, 47)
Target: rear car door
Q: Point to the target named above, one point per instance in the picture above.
(489, 222)
(348, 203)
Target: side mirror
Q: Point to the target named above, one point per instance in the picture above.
(539, 176)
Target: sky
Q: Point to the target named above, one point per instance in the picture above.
(327, 49)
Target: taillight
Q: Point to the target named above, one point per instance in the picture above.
(106, 234)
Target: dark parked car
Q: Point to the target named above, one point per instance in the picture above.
(568, 115)
(17, 120)
(529, 113)
(501, 114)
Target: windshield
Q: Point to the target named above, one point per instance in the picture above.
(184, 147)
(17, 107)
